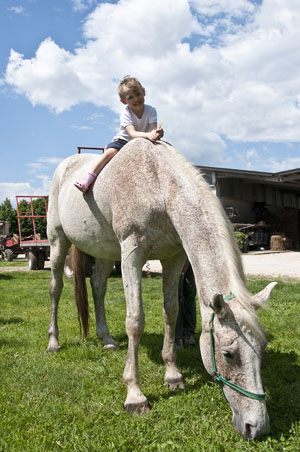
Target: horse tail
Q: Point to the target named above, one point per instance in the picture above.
(78, 264)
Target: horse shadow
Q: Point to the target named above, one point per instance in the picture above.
(13, 320)
(280, 373)
(6, 276)
(188, 360)
(116, 275)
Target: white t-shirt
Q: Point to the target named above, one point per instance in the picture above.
(128, 118)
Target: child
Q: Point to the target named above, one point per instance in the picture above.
(138, 120)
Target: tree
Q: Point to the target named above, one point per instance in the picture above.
(26, 211)
(9, 214)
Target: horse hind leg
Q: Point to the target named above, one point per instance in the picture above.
(59, 250)
(171, 273)
(101, 272)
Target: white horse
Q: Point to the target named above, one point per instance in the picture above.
(149, 202)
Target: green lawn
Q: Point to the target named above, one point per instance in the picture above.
(73, 400)
(20, 262)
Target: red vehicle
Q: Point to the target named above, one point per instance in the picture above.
(37, 249)
(9, 244)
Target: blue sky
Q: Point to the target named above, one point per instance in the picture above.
(224, 77)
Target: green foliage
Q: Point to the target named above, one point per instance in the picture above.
(9, 214)
(73, 401)
(241, 238)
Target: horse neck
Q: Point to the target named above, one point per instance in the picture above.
(198, 218)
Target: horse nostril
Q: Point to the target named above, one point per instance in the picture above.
(248, 434)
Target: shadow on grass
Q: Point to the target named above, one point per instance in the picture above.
(115, 275)
(10, 321)
(281, 377)
(6, 276)
(10, 343)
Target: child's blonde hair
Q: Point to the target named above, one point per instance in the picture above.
(130, 83)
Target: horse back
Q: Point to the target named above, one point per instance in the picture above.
(127, 198)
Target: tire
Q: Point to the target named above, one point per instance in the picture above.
(118, 268)
(41, 260)
(33, 260)
(9, 255)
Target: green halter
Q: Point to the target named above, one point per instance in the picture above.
(218, 377)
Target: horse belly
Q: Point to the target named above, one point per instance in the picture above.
(91, 233)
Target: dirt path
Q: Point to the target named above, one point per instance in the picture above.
(284, 265)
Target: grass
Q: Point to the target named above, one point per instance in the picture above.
(20, 262)
(73, 400)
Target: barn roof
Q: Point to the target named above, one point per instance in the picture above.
(288, 179)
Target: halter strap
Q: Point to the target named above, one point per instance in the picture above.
(219, 378)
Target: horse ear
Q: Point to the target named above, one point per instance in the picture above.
(218, 305)
(262, 297)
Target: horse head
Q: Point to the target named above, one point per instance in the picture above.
(232, 348)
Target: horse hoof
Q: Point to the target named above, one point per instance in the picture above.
(137, 408)
(52, 348)
(110, 347)
(175, 383)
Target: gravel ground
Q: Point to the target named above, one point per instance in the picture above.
(284, 265)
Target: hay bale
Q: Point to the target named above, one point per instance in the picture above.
(277, 243)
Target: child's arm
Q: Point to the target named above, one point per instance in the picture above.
(135, 134)
(154, 134)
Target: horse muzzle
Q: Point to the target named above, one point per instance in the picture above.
(251, 427)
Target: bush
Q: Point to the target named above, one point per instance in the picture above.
(242, 240)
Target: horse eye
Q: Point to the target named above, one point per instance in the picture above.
(227, 354)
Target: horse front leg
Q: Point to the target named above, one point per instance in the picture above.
(101, 272)
(132, 263)
(57, 260)
(171, 273)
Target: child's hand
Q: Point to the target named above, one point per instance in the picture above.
(153, 136)
(160, 132)
(156, 135)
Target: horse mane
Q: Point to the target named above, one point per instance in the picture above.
(242, 297)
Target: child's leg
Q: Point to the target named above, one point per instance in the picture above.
(104, 159)
(84, 184)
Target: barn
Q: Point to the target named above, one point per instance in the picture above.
(265, 206)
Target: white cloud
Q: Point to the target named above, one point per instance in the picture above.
(38, 187)
(81, 127)
(11, 189)
(52, 161)
(82, 5)
(267, 160)
(284, 164)
(236, 8)
(18, 10)
(242, 87)
(252, 154)
(44, 163)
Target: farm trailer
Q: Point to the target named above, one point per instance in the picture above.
(37, 250)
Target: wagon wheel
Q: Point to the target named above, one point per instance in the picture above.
(41, 260)
(33, 261)
(9, 255)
